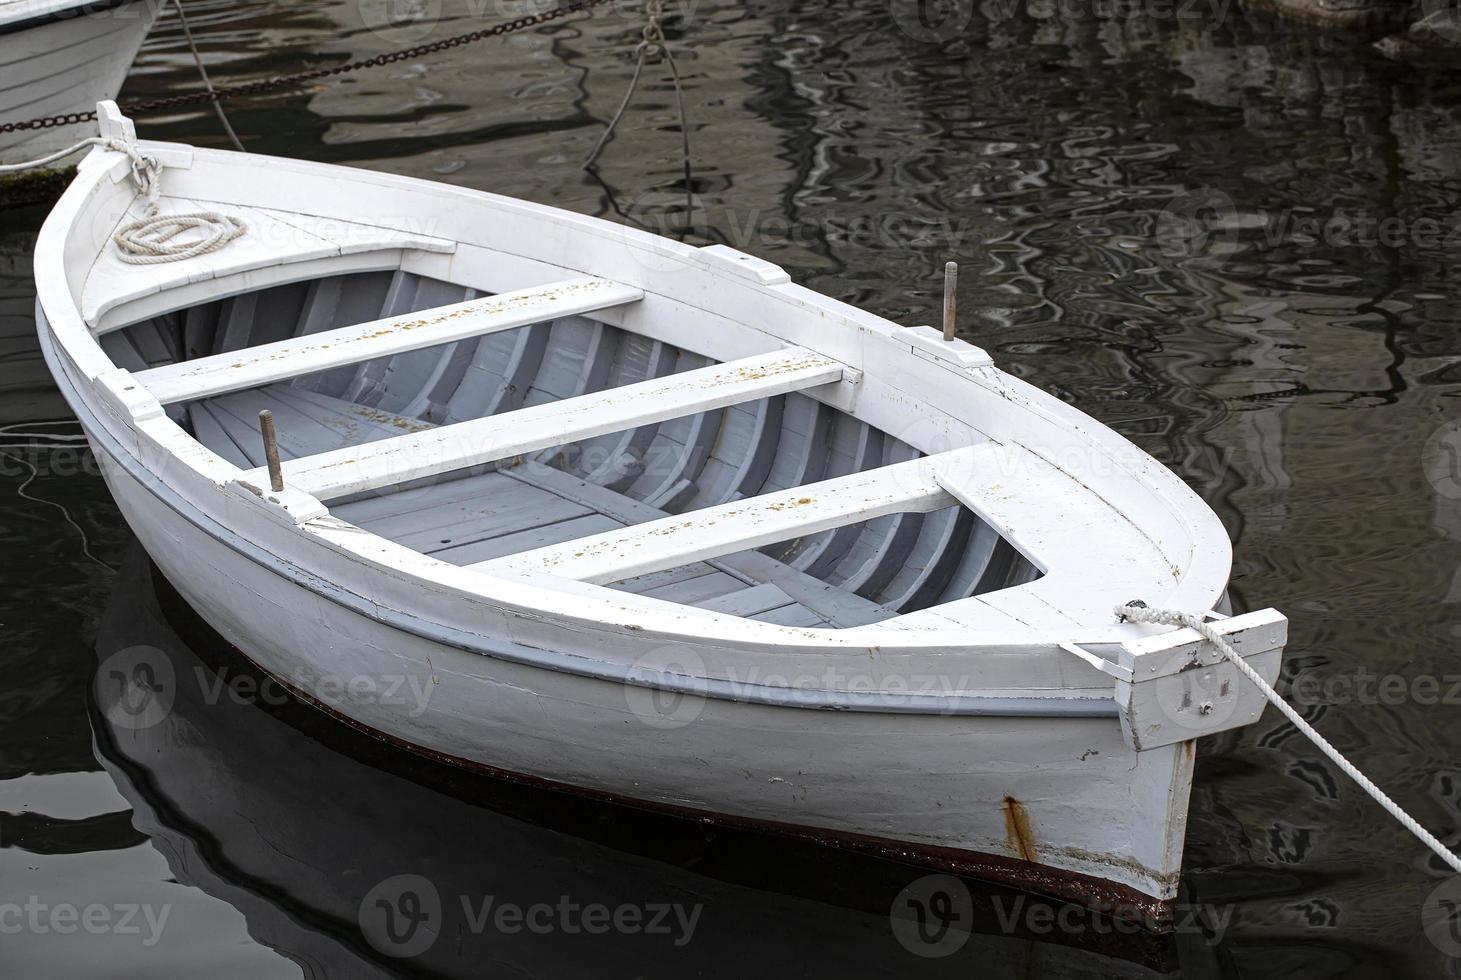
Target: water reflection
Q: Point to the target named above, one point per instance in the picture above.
(1288, 356)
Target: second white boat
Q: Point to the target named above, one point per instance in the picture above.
(61, 57)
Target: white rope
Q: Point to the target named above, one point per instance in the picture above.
(1140, 613)
(15, 168)
(207, 82)
(148, 241)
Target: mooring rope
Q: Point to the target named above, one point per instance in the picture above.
(207, 82)
(1137, 612)
(15, 168)
(652, 45)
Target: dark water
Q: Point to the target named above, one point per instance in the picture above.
(1235, 242)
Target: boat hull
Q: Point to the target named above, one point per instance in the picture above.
(62, 64)
(209, 774)
(1059, 804)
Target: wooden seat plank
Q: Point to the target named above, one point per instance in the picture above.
(461, 445)
(740, 525)
(255, 366)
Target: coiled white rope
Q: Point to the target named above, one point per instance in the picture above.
(148, 241)
(1140, 613)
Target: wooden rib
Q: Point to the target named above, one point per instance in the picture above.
(659, 363)
(755, 463)
(932, 560)
(464, 444)
(367, 381)
(737, 526)
(598, 349)
(979, 554)
(885, 544)
(806, 463)
(447, 369)
(821, 554)
(290, 358)
(235, 323)
(503, 366)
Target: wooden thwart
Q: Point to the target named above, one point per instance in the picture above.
(421, 455)
(251, 367)
(742, 525)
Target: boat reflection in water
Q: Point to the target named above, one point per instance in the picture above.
(354, 858)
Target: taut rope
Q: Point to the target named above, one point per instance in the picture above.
(1138, 612)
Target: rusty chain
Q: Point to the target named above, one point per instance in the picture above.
(141, 106)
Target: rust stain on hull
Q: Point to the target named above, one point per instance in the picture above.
(1017, 830)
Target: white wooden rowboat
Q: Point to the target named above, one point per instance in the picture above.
(649, 521)
(59, 57)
